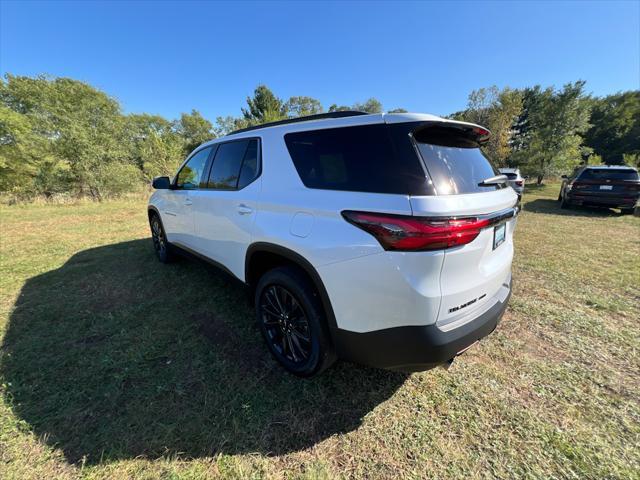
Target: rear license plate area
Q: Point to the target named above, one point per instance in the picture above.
(606, 187)
(499, 235)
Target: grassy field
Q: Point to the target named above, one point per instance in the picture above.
(114, 366)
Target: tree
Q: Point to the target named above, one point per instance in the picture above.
(79, 131)
(263, 107)
(160, 154)
(553, 125)
(194, 129)
(339, 108)
(370, 106)
(615, 130)
(303, 106)
(496, 110)
(397, 110)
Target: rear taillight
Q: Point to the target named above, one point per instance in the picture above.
(399, 232)
(519, 183)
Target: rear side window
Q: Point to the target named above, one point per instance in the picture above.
(359, 159)
(235, 165)
(613, 174)
(455, 165)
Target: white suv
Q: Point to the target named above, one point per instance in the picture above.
(382, 239)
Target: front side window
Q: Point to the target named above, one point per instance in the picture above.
(190, 174)
(235, 165)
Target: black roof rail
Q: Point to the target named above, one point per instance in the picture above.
(318, 116)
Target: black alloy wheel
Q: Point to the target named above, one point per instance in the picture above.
(293, 322)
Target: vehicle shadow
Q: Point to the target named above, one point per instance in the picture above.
(115, 356)
(551, 206)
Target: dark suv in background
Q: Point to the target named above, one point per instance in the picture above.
(601, 186)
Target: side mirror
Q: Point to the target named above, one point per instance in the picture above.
(563, 176)
(161, 183)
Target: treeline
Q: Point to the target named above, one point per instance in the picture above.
(548, 131)
(59, 136)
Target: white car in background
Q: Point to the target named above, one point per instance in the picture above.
(516, 181)
(382, 239)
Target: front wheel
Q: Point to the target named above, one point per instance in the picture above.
(160, 243)
(563, 202)
(292, 322)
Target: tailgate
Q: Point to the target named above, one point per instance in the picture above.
(473, 275)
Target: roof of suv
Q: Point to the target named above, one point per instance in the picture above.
(350, 118)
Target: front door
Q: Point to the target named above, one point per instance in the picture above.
(178, 213)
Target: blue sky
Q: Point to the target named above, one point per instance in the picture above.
(170, 57)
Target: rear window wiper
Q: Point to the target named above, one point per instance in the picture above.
(498, 179)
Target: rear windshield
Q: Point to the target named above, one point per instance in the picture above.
(511, 176)
(455, 165)
(360, 159)
(602, 174)
(383, 158)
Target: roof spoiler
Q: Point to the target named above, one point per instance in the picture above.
(452, 133)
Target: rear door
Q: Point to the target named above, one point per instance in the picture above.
(474, 275)
(225, 209)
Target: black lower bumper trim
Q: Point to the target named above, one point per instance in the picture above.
(596, 201)
(415, 348)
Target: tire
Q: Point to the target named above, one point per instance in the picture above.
(564, 204)
(160, 244)
(292, 322)
(627, 211)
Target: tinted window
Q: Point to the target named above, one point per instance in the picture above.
(190, 174)
(250, 166)
(511, 176)
(613, 174)
(455, 167)
(226, 165)
(362, 159)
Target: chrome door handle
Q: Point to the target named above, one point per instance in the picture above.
(188, 202)
(244, 209)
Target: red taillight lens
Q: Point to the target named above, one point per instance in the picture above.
(398, 232)
(519, 183)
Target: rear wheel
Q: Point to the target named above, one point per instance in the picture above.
(627, 211)
(292, 322)
(160, 243)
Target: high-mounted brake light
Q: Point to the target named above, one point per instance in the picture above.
(482, 134)
(399, 232)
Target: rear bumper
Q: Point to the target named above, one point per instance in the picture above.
(603, 201)
(415, 348)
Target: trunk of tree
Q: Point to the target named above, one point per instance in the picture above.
(540, 177)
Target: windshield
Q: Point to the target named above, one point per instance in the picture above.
(613, 174)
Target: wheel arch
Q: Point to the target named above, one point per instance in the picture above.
(262, 257)
(151, 210)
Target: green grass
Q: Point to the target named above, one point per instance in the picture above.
(114, 366)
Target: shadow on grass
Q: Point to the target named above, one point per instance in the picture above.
(547, 205)
(114, 356)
